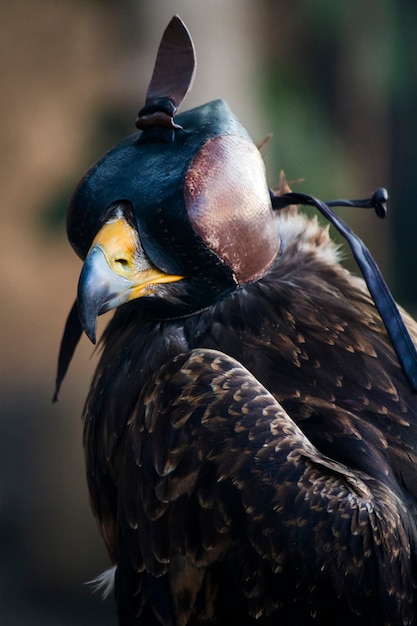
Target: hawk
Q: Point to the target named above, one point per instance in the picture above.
(251, 429)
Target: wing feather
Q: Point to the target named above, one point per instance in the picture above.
(214, 472)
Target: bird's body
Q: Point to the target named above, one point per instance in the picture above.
(251, 429)
(219, 500)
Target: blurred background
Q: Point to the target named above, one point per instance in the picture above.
(336, 84)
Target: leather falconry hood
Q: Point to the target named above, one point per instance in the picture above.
(196, 183)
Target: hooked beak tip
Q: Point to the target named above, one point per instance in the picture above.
(88, 321)
(92, 292)
(91, 335)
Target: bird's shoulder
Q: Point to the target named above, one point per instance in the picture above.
(212, 468)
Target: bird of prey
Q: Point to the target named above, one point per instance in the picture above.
(251, 429)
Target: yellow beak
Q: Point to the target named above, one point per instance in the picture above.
(116, 270)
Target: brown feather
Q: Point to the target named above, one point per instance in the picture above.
(257, 460)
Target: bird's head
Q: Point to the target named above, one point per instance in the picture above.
(179, 213)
